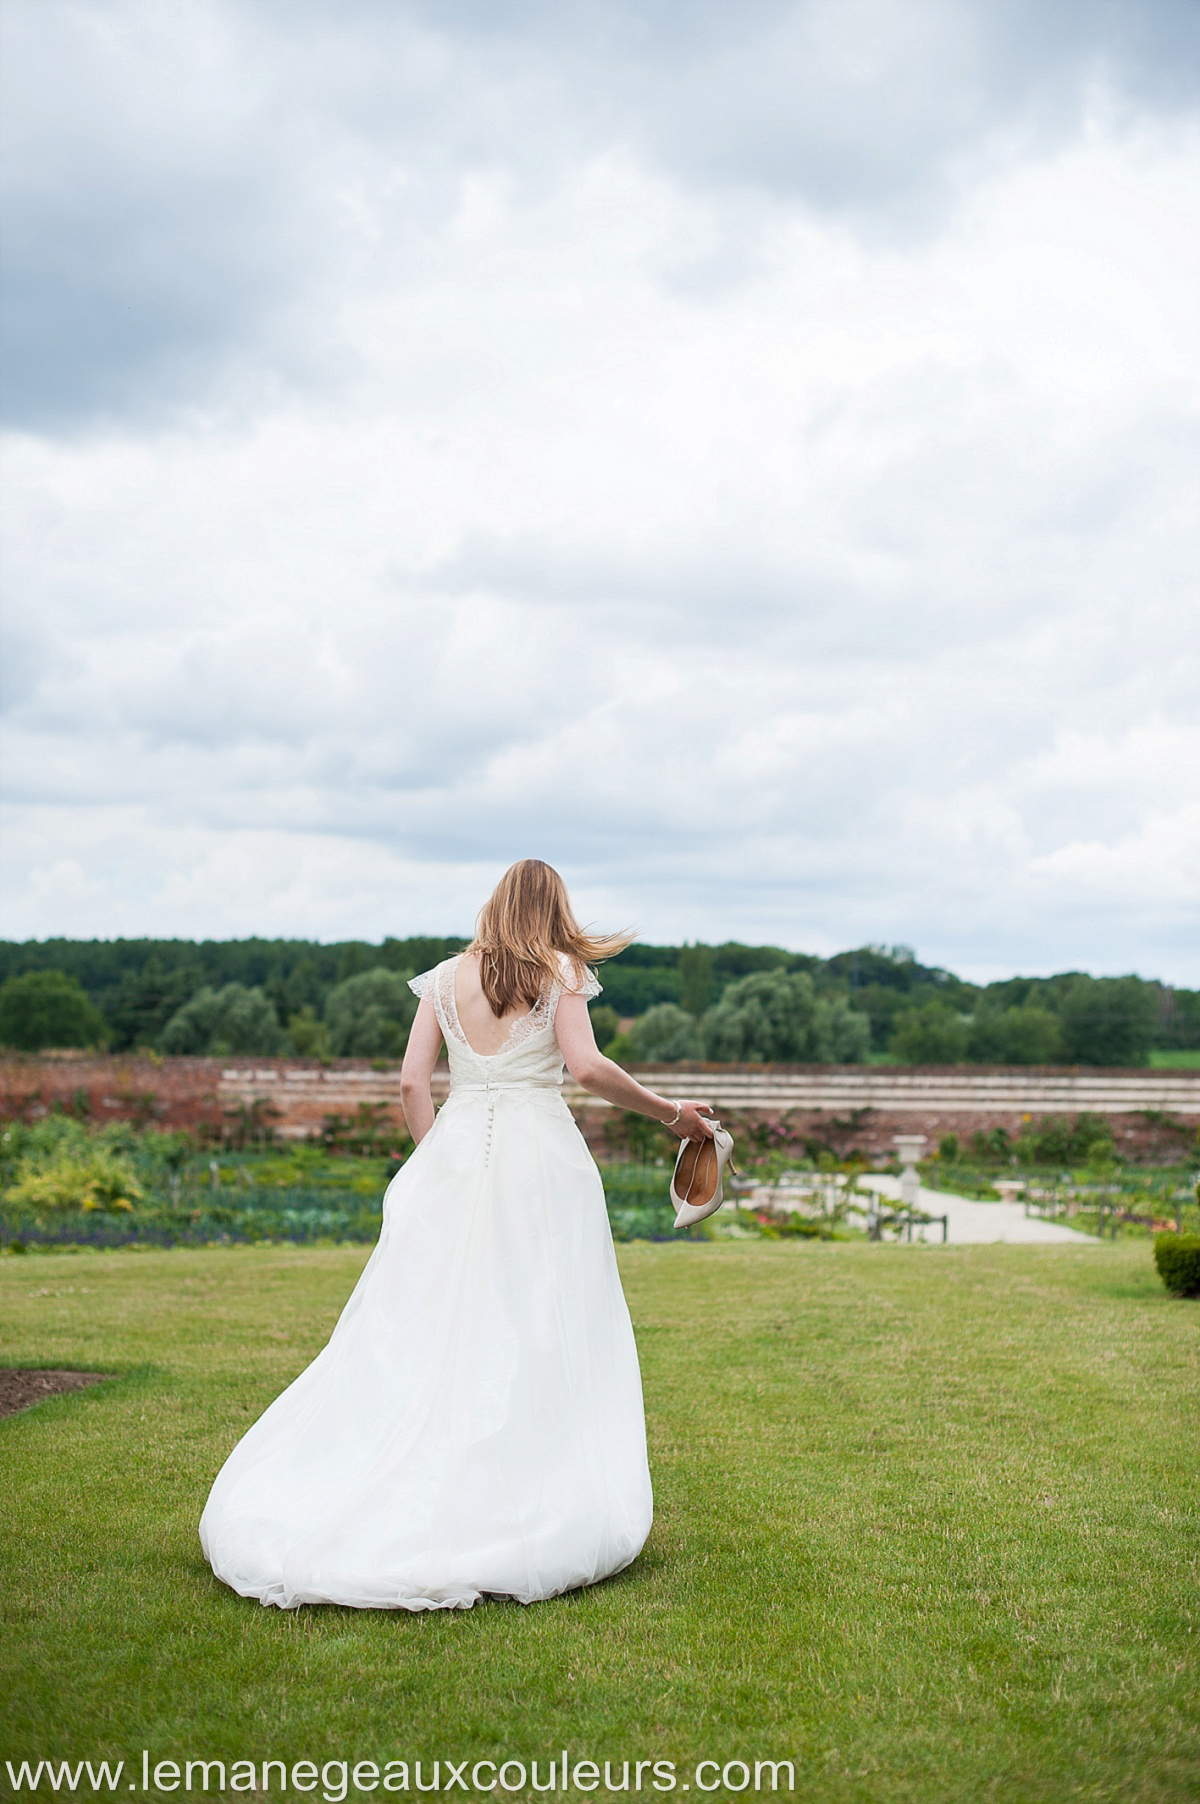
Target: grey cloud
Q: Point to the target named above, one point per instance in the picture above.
(173, 230)
(24, 661)
(159, 226)
(874, 109)
(110, 297)
(866, 107)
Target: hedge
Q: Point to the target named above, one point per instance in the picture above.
(1177, 1257)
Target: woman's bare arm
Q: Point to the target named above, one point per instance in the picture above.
(424, 1044)
(589, 1067)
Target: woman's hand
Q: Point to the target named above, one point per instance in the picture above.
(693, 1123)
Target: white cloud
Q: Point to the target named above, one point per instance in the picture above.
(779, 575)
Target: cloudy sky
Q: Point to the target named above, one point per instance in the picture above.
(745, 454)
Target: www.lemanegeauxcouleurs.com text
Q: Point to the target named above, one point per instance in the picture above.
(333, 1780)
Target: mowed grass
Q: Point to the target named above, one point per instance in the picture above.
(927, 1524)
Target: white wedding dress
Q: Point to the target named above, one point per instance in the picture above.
(474, 1424)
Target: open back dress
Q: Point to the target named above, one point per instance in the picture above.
(474, 1425)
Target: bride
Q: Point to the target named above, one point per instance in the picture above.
(474, 1425)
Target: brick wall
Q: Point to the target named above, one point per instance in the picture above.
(846, 1107)
(170, 1092)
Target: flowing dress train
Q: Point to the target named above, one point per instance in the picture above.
(474, 1424)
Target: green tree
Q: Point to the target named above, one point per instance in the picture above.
(631, 987)
(369, 1015)
(232, 1019)
(605, 1023)
(695, 978)
(845, 1030)
(1015, 1036)
(142, 1002)
(665, 1033)
(777, 1016)
(309, 1037)
(47, 1008)
(1179, 1018)
(1108, 1021)
(929, 1033)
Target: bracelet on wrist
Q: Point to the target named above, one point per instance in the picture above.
(675, 1116)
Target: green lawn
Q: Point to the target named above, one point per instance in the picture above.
(928, 1524)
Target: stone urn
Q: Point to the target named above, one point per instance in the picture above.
(908, 1146)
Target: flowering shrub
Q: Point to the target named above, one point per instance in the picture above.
(94, 1179)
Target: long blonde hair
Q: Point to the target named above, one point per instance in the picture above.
(523, 927)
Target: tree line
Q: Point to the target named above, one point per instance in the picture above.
(729, 1003)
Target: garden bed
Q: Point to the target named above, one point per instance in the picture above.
(23, 1386)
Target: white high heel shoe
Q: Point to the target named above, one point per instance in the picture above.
(698, 1182)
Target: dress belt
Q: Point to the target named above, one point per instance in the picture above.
(457, 1089)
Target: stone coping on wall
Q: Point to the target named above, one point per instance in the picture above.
(1036, 1091)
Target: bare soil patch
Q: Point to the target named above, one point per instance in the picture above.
(20, 1386)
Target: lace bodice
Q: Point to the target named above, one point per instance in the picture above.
(529, 1055)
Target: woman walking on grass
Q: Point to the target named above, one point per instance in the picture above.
(474, 1425)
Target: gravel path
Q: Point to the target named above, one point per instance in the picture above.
(977, 1224)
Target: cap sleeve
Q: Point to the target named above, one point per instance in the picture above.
(420, 986)
(568, 978)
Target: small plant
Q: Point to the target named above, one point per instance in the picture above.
(370, 1131)
(645, 1140)
(1177, 1257)
(250, 1124)
(1054, 1141)
(794, 1227)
